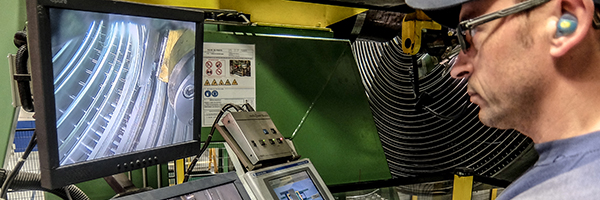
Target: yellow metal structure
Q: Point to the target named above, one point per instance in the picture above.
(494, 194)
(273, 12)
(178, 45)
(212, 160)
(179, 171)
(412, 26)
(208, 4)
(463, 187)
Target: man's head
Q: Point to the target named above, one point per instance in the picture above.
(515, 63)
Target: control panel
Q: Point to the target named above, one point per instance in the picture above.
(257, 136)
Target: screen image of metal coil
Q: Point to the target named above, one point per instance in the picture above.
(109, 97)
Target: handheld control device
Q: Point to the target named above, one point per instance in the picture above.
(296, 180)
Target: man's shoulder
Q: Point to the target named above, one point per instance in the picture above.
(580, 183)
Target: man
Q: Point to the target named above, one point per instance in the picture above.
(534, 66)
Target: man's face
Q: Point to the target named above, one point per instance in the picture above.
(504, 64)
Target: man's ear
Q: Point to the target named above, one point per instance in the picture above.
(582, 11)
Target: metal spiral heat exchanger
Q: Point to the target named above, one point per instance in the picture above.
(415, 141)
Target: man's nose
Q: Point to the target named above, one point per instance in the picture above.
(461, 68)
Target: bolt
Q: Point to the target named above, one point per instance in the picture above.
(188, 92)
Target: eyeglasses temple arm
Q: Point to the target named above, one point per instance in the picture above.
(468, 24)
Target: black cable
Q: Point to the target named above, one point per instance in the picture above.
(208, 139)
(237, 107)
(22, 75)
(438, 115)
(31, 181)
(20, 38)
(21, 72)
(18, 166)
(249, 107)
(414, 76)
(226, 107)
(424, 99)
(71, 192)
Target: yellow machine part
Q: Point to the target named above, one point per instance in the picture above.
(178, 44)
(412, 26)
(273, 12)
(494, 194)
(463, 188)
(179, 171)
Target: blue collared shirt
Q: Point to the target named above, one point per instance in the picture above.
(556, 158)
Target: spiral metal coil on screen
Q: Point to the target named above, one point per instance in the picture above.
(105, 83)
(415, 141)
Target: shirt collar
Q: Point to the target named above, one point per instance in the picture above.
(550, 151)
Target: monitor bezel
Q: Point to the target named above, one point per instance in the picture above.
(39, 40)
(193, 186)
(306, 169)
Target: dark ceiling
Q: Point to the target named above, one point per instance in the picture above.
(390, 5)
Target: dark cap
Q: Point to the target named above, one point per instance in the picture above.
(434, 4)
(444, 12)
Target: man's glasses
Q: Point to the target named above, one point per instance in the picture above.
(466, 26)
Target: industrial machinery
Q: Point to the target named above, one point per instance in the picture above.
(408, 105)
(256, 139)
(271, 168)
(294, 181)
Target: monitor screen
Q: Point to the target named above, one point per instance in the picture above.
(223, 192)
(110, 95)
(225, 186)
(113, 86)
(296, 186)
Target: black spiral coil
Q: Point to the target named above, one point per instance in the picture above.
(417, 142)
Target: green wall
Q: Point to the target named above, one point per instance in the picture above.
(13, 19)
(295, 75)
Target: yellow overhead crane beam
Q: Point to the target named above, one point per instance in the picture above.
(412, 26)
(274, 12)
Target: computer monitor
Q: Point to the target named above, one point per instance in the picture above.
(225, 186)
(298, 180)
(113, 86)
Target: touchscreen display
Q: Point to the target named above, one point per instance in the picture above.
(121, 83)
(298, 186)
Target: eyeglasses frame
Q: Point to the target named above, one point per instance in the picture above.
(469, 24)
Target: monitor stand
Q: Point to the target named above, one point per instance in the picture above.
(121, 184)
